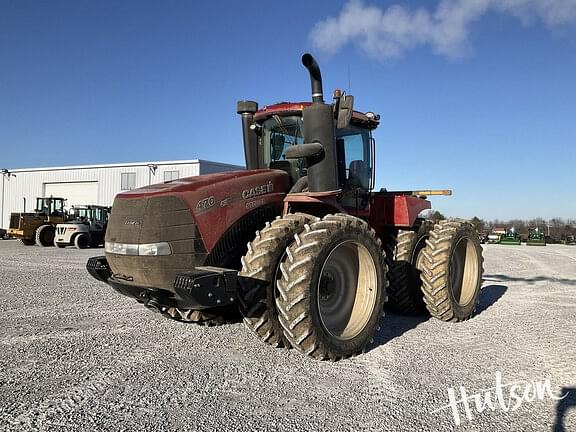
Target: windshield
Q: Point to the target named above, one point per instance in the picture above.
(354, 145)
(50, 206)
(81, 213)
(279, 133)
(91, 213)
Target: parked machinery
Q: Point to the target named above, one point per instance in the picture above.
(493, 238)
(536, 237)
(511, 237)
(299, 241)
(38, 227)
(86, 228)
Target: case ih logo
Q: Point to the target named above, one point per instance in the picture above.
(132, 222)
(258, 190)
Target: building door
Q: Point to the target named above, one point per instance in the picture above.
(76, 193)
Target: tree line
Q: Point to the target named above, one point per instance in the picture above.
(556, 229)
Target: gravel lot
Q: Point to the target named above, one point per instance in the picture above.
(74, 355)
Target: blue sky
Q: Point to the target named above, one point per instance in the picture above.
(477, 96)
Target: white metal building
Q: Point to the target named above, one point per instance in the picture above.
(91, 184)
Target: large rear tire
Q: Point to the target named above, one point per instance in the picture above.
(452, 270)
(333, 288)
(405, 290)
(45, 235)
(260, 272)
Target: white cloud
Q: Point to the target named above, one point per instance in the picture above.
(388, 32)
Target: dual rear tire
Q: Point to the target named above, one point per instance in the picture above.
(451, 271)
(405, 290)
(321, 284)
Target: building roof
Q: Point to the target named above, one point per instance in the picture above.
(121, 165)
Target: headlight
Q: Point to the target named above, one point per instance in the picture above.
(148, 249)
(154, 249)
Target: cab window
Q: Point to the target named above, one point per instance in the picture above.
(356, 162)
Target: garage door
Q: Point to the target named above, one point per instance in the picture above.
(76, 193)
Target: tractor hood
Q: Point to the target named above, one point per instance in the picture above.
(191, 216)
(215, 201)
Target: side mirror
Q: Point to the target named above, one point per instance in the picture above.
(345, 110)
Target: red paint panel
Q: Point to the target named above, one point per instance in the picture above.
(397, 210)
(218, 200)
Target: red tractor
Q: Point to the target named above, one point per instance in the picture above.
(299, 241)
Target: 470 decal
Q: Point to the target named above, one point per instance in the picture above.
(205, 203)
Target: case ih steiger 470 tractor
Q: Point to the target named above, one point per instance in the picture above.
(299, 241)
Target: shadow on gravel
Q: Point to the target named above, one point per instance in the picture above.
(394, 325)
(562, 408)
(531, 281)
(489, 295)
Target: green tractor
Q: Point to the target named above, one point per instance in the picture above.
(536, 237)
(511, 237)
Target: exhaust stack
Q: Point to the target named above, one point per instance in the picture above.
(315, 77)
(319, 129)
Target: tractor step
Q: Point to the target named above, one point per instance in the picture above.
(208, 286)
(205, 287)
(98, 268)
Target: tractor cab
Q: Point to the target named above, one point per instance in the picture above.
(281, 127)
(95, 216)
(50, 206)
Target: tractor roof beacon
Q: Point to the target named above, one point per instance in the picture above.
(298, 242)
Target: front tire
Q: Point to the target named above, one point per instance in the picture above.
(333, 288)
(452, 270)
(28, 242)
(45, 235)
(260, 272)
(81, 241)
(207, 317)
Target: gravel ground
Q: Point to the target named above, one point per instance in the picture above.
(74, 355)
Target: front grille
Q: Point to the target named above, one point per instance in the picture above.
(152, 220)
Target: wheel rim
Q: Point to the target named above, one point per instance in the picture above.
(463, 271)
(347, 290)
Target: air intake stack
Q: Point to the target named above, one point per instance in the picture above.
(247, 109)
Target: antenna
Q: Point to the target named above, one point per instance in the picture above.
(349, 79)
